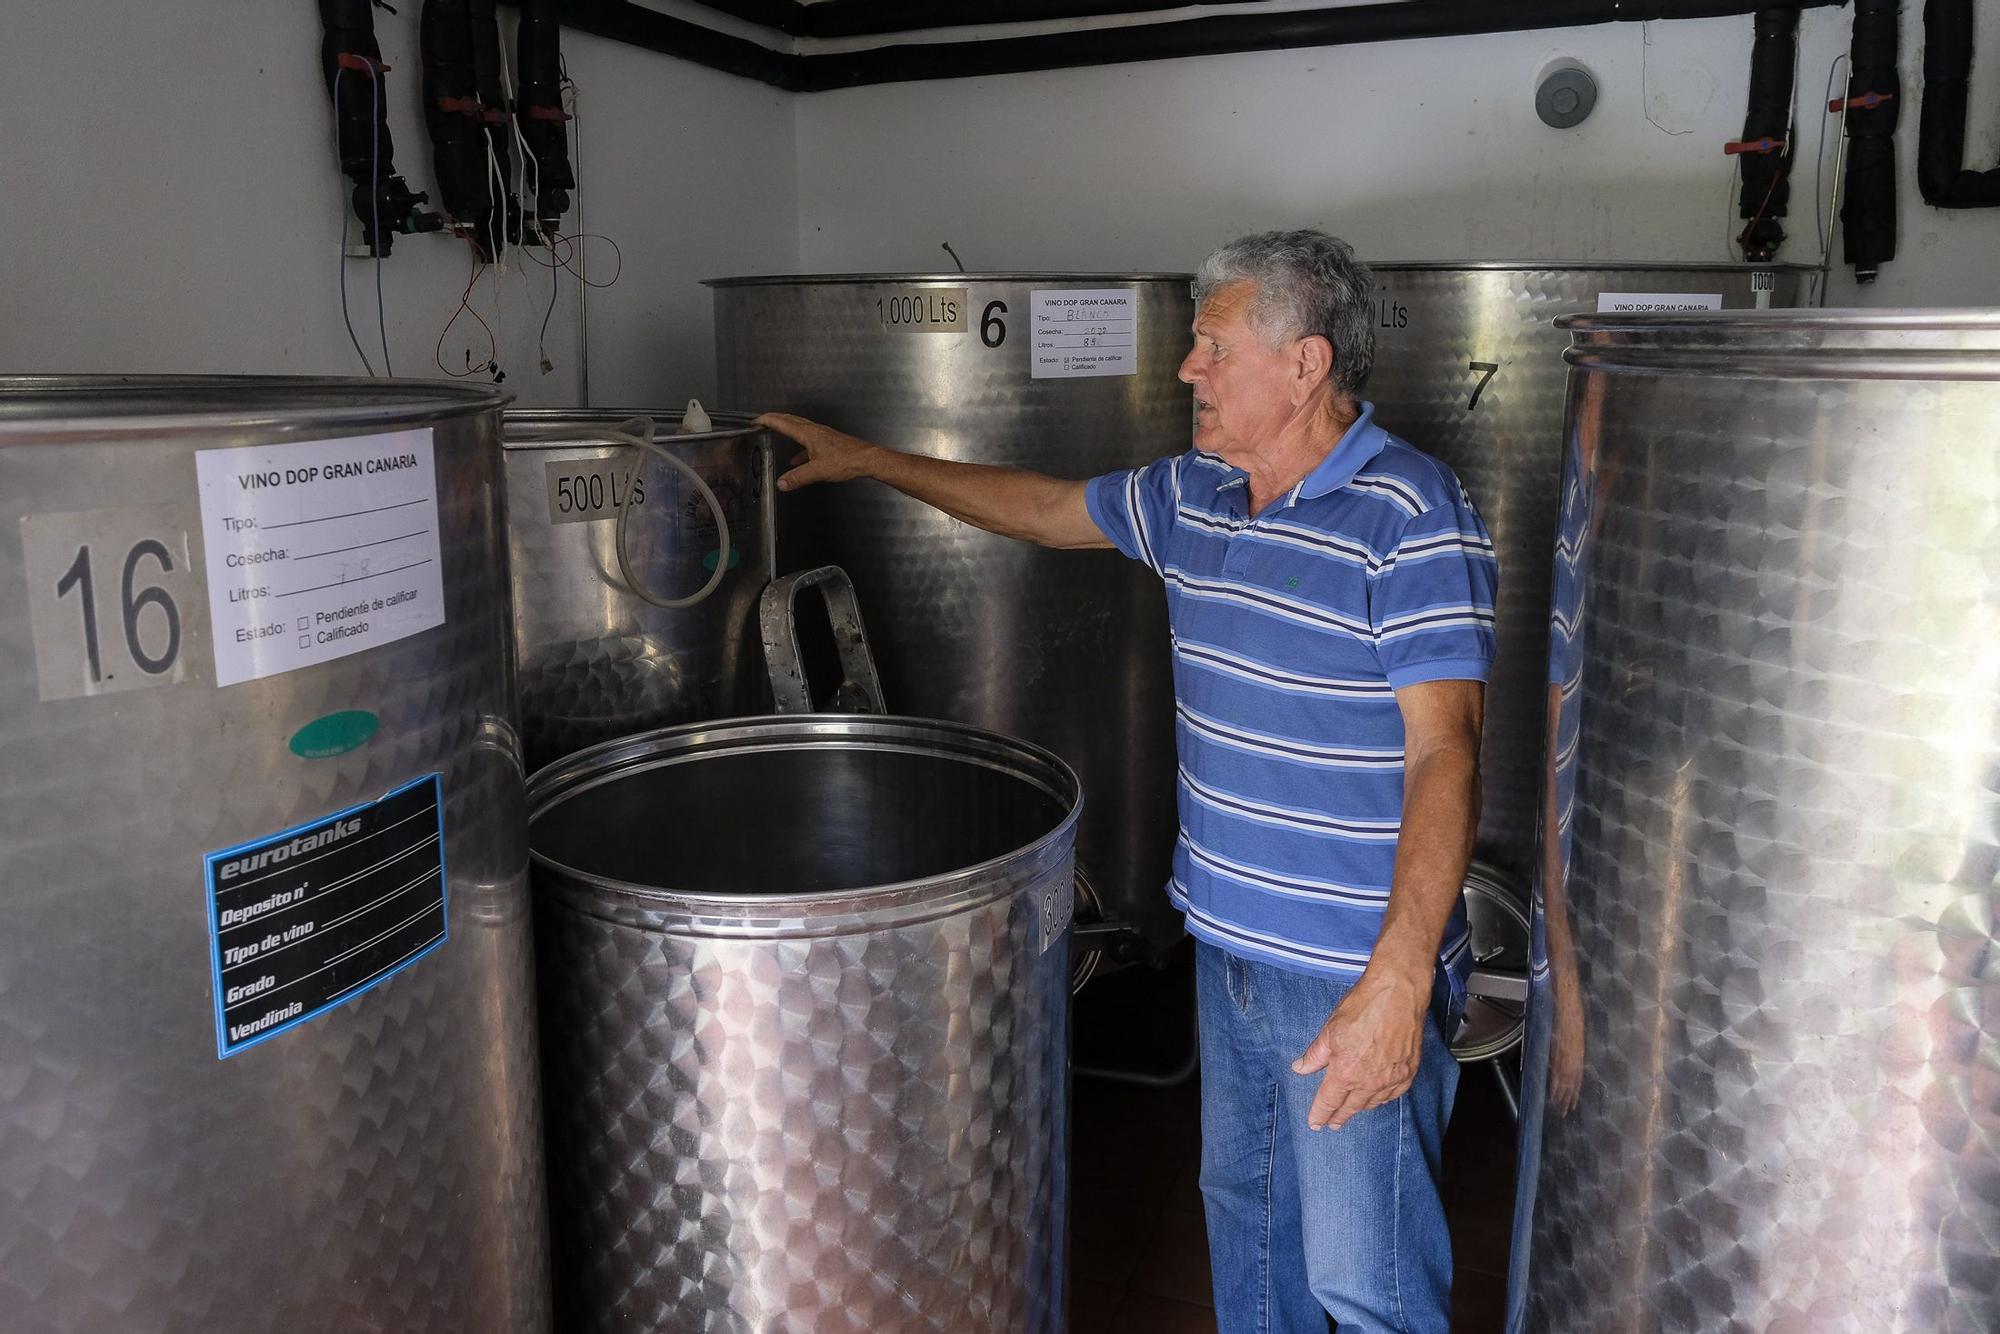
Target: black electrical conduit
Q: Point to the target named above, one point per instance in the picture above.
(465, 110)
(539, 114)
(1941, 173)
(622, 21)
(350, 56)
(1766, 146)
(1871, 109)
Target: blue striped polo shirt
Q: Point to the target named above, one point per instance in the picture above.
(1568, 605)
(1292, 631)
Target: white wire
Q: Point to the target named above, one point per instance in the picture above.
(496, 237)
(499, 242)
(573, 139)
(530, 202)
(1645, 98)
(375, 209)
(340, 242)
(1823, 218)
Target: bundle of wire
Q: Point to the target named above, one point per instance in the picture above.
(375, 204)
(565, 250)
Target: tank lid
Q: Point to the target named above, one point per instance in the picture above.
(1914, 344)
(544, 428)
(50, 406)
(1580, 266)
(833, 279)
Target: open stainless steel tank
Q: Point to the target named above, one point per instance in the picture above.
(806, 988)
(598, 661)
(1468, 367)
(1066, 649)
(267, 1052)
(1763, 1084)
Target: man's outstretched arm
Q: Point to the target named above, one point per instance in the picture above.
(1030, 506)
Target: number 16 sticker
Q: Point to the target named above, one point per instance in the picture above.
(109, 596)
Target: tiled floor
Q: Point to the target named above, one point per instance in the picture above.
(1139, 1252)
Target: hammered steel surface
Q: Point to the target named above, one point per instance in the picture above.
(781, 1102)
(1437, 328)
(1763, 1068)
(1063, 648)
(597, 661)
(379, 1167)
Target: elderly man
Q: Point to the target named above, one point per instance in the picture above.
(1331, 596)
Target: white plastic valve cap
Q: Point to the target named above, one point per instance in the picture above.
(695, 420)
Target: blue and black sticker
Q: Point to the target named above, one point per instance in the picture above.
(313, 916)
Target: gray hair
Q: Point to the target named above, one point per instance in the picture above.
(1307, 283)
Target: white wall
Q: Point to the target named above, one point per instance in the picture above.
(1424, 150)
(172, 203)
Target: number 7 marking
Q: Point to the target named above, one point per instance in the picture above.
(1491, 368)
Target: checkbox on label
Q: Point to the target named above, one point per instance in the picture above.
(302, 623)
(305, 641)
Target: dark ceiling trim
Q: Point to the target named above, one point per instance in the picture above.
(787, 16)
(636, 25)
(1224, 34)
(867, 18)
(1215, 35)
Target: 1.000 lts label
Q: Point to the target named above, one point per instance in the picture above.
(923, 310)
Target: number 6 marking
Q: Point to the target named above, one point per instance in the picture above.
(993, 329)
(1491, 368)
(155, 596)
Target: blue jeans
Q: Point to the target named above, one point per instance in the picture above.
(1303, 1224)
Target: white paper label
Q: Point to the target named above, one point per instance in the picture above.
(318, 550)
(1085, 331)
(1654, 303)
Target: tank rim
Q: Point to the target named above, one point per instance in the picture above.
(61, 407)
(1582, 266)
(982, 276)
(1944, 319)
(1798, 344)
(829, 912)
(731, 426)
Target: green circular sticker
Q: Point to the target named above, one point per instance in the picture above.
(735, 559)
(335, 734)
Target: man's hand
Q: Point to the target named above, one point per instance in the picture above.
(1566, 1040)
(829, 457)
(1047, 511)
(1369, 1048)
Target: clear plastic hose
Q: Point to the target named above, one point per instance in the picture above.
(637, 434)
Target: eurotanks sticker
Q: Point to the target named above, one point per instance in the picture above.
(314, 915)
(319, 549)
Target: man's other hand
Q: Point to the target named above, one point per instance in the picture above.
(829, 455)
(1369, 1049)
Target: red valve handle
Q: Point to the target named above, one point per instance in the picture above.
(359, 64)
(1765, 145)
(1865, 102)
